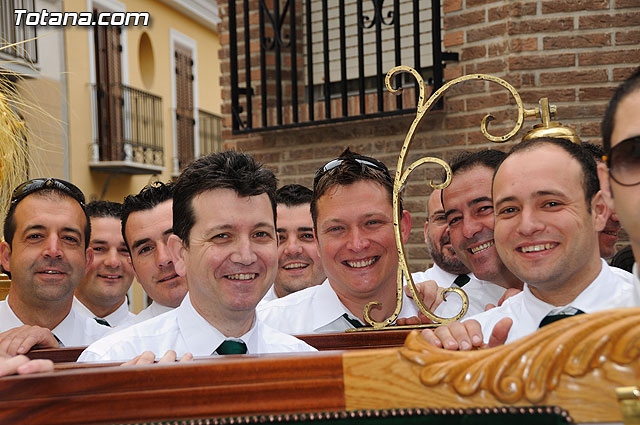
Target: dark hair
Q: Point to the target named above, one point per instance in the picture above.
(293, 195)
(351, 169)
(596, 151)
(591, 184)
(237, 171)
(9, 222)
(624, 259)
(629, 86)
(148, 198)
(101, 209)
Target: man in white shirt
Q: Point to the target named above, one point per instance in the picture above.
(448, 270)
(299, 264)
(225, 245)
(619, 174)
(546, 232)
(102, 293)
(45, 252)
(353, 222)
(147, 223)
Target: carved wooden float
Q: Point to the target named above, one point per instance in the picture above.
(572, 366)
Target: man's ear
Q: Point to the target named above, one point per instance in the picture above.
(177, 250)
(426, 231)
(5, 255)
(605, 184)
(405, 225)
(88, 258)
(599, 211)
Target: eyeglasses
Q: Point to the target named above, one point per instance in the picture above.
(36, 185)
(624, 162)
(361, 159)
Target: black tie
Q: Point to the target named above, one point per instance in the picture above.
(461, 280)
(101, 321)
(550, 318)
(354, 322)
(231, 346)
(58, 339)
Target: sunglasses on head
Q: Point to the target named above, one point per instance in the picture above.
(35, 185)
(360, 159)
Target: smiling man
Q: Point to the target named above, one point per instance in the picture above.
(224, 245)
(46, 252)
(353, 222)
(102, 293)
(299, 264)
(546, 232)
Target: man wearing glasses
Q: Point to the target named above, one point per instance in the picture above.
(45, 251)
(620, 176)
(352, 215)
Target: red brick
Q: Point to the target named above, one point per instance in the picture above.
(463, 19)
(623, 4)
(449, 6)
(621, 74)
(576, 41)
(531, 97)
(464, 121)
(627, 37)
(603, 58)
(523, 45)
(542, 61)
(495, 66)
(455, 105)
(486, 32)
(595, 93)
(581, 111)
(540, 25)
(555, 6)
(497, 49)
(573, 77)
(624, 19)
(498, 13)
(520, 9)
(453, 39)
(452, 71)
(473, 53)
(488, 101)
(474, 3)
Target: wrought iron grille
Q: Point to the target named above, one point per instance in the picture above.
(304, 62)
(25, 47)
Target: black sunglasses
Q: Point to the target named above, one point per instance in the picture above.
(624, 162)
(35, 185)
(361, 159)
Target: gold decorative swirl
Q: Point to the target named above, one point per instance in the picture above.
(532, 367)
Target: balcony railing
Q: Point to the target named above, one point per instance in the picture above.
(23, 36)
(127, 129)
(305, 62)
(210, 132)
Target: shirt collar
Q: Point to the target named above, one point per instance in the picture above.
(327, 307)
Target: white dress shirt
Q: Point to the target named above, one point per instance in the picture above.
(480, 292)
(114, 319)
(315, 310)
(185, 331)
(74, 330)
(612, 288)
(150, 312)
(269, 296)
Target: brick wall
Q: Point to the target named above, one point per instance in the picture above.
(573, 51)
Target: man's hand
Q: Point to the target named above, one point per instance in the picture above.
(22, 365)
(430, 294)
(149, 358)
(467, 335)
(21, 339)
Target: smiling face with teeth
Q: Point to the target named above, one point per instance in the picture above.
(544, 231)
(357, 245)
(109, 277)
(232, 256)
(47, 258)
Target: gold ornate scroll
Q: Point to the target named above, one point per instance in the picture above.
(401, 175)
(529, 369)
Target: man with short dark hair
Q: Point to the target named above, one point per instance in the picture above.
(352, 212)
(102, 293)
(224, 244)
(147, 223)
(299, 265)
(46, 232)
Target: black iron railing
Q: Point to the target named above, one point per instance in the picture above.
(302, 62)
(210, 132)
(127, 125)
(17, 40)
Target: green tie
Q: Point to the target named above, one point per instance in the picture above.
(101, 321)
(354, 322)
(231, 346)
(461, 280)
(547, 320)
